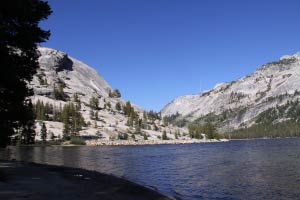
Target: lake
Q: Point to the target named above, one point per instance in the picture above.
(245, 169)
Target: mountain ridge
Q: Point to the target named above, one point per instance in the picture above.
(248, 92)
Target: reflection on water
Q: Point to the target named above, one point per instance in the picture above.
(256, 169)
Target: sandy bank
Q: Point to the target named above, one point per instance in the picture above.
(20, 180)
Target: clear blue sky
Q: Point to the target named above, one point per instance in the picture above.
(156, 50)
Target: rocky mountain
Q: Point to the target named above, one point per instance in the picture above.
(62, 80)
(239, 103)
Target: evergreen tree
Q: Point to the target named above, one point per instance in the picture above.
(72, 119)
(164, 135)
(123, 136)
(114, 94)
(19, 36)
(76, 98)
(43, 132)
(57, 114)
(137, 128)
(145, 137)
(127, 109)
(210, 131)
(118, 106)
(94, 103)
(166, 121)
(58, 92)
(27, 125)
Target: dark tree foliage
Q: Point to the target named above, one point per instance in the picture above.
(164, 135)
(196, 130)
(19, 36)
(170, 119)
(115, 93)
(279, 121)
(152, 116)
(44, 132)
(72, 119)
(94, 103)
(118, 106)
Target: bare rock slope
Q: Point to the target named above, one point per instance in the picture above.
(57, 69)
(238, 103)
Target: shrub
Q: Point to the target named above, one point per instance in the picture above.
(77, 141)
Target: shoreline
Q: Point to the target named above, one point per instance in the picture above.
(101, 142)
(148, 142)
(19, 180)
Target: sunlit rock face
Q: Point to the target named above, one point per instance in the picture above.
(58, 68)
(79, 77)
(271, 84)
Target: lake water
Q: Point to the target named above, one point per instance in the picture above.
(253, 169)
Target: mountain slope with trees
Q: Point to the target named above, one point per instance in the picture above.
(73, 100)
(244, 105)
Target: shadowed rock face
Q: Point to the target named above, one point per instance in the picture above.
(272, 84)
(50, 58)
(64, 64)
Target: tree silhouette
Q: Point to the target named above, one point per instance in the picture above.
(19, 36)
(44, 132)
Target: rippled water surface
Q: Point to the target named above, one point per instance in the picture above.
(254, 169)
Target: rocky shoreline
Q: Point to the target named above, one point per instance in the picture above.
(20, 180)
(101, 142)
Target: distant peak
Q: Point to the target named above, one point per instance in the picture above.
(296, 55)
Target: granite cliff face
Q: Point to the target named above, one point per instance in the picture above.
(79, 77)
(58, 69)
(236, 104)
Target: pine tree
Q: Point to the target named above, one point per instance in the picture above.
(118, 106)
(76, 98)
(27, 125)
(57, 114)
(164, 135)
(94, 103)
(127, 109)
(145, 136)
(176, 134)
(72, 119)
(43, 132)
(58, 92)
(116, 93)
(137, 128)
(19, 36)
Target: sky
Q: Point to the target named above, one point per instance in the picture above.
(156, 50)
